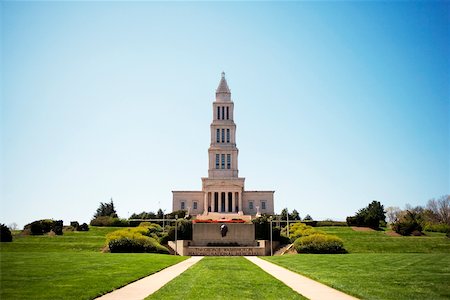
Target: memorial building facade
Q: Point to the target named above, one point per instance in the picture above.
(223, 194)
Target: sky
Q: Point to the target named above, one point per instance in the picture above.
(336, 103)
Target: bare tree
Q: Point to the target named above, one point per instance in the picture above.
(13, 226)
(393, 213)
(440, 209)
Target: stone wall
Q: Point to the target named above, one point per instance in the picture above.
(209, 233)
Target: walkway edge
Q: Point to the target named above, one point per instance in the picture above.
(146, 286)
(305, 286)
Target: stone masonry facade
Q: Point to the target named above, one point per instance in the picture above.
(223, 192)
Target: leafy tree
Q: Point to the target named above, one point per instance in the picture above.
(106, 210)
(5, 234)
(370, 216)
(307, 218)
(160, 214)
(144, 215)
(294, 215)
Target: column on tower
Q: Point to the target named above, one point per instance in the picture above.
(233, 202)
(226, 202)
(240, 201)
(205, 204)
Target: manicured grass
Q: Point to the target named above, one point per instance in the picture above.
(380, 242)
(70, 266)
(377, 275)
(380, 266)
(225, 278)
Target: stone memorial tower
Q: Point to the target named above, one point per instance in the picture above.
(223, 194)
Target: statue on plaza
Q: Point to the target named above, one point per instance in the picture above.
(223, 230)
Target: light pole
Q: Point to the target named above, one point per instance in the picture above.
(164, 225)
(271, 245)
(287, 221)
(176, 229)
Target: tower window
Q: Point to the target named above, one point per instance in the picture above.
(218, 135)
(228, 161)
(228, 135)
(223, 135)
(228, 112)
(223, 112)
(218, 112)
(217, 160)
(223, 161)
(250, 205)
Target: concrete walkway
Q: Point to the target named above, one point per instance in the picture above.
(307, 287)
(144, 287)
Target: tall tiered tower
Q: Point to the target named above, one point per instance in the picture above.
(222, 194)
(223, 154)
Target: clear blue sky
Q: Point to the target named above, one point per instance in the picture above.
(337, 103)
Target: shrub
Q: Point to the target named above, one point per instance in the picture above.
(137, 244)
(108, 221)
(5, 234)
(319, 243)
(57, 227)
(300, 229)
(331, 223)
(83, 227)
(310, 223)
(35, 228)
(75, 224)
(184, 231)
(408, 223)
(44, 226)
(437, 227)
(135, 239)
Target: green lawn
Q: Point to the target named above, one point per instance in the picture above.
(379, 266)
(70, 266)
(225, 278)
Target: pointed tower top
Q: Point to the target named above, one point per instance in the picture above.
(223, 86)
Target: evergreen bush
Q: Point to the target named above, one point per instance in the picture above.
(408, 223)
(5, 234)
(83, 227)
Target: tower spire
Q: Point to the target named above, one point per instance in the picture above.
(223, 92)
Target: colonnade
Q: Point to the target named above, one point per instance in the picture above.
(226, 202)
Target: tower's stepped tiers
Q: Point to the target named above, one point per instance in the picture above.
(223, 191)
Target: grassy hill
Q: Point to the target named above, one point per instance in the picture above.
(71, 266)
(379, 266)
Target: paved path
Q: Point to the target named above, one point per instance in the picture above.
(307, 287)
(144, 287)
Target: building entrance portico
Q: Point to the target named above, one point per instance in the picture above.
(221, 201)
